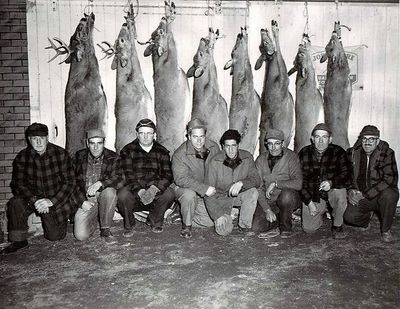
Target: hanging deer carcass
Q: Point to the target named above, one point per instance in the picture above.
(308, 98)
(133, 101)
(85, 100)
(244, 112)
(208, 104)
(337, 90)
(277, 108)
(171, 88)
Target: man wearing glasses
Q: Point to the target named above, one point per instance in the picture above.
(147, 169)
(326, 176)
(374, 187)
(278, 196)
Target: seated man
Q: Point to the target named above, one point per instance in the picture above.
(278, 195)
(95, 194)
(326, 176)
(374, 186)
(232, 172)
(147, 169)
(188, 166)
(43, 180)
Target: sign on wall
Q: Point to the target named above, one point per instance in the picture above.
(355, 59)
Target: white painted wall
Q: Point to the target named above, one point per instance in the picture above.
(376, 25)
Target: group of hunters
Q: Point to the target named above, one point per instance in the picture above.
(204, 181)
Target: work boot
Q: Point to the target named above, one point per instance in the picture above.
(157, 229)
(107, 236)
(286, 234)
(186, 231)
(338, 232)
(248, 232)
(128, 233)
(387, 237)
(15, 246)
(269, 234)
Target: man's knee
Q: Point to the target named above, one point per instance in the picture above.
(16, 205)
(250, 195)
(339, 198)
(108, 193)
(289, 198)
(389, 196)
(124, 194)
(81, 233)
(187, 197)
(168, 196)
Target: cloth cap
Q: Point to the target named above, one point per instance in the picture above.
(230, 134)
(195, 124)
(95, 133)
(37, 129)
(321, 126)
(227, 229)
(145, 123)
(274, 134)
(370, 130)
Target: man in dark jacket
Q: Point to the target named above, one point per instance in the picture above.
(326, 176)
(96, 169)
(146, 166)
(374, 185)
(43, 180)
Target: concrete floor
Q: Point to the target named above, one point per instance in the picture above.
(207, 271)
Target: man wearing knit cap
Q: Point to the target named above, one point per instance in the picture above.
(374, 182)
(326, 176)
(42, 181)
(188, 166)
(233, 174)
(146, 166)
(95, 196)
(281, 178)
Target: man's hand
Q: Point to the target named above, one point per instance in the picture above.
(149, 195)
(270, 190)
(325, 185)
(235, 189)
(221, 222)
(42, 205)
(355, 196)
(270, 215)
(91, 191)
(86, 205)
(210, 191)
(312, 209)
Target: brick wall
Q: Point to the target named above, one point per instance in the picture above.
(14, 90)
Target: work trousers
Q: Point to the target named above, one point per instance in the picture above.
(337, 200)
(18, 212)
(384, 205)
(288, 200)
(193, 210)
(86, 221)
(129, 202)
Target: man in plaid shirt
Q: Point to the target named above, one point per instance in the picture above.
(43, 180)
(147, 169)
(374, 186)
(326, 176)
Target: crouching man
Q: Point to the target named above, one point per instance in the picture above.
(374, 187)
(43, 180)
(232, 172)
(96, 169)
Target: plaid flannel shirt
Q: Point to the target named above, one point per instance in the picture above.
(143, 169)
(334, 166)
(50, 175)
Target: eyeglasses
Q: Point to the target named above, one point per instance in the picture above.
(369, 139)
(276, 144)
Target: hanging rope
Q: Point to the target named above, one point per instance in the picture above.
(337, 10)
(127, 8)
(88, 8)
(278, 9)
(209, 12)
(246, 18)
(305, 14)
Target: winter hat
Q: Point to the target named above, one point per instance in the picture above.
(195, 124)
(145, 123)
(274, 134)
(321, 126)
(95, 133)
(370, 130)
(37, 129)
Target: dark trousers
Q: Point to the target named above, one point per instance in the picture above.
(19, 210)
(384, 205)
(287, 201)
(129, 201)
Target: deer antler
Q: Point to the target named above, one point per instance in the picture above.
(109, 50)
(60, 50)
(170, 11)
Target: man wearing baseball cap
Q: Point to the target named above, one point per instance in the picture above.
(326, 176)
(281, 177)
(188, 166)
(374, 186)
(95, 196)
(43, 180)
(146, 166)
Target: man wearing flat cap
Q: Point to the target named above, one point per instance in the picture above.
(188, 166)
(281, 181)
(326, 176)
(146, 166)
(95, 196)
(43, 180)
(374, 182)
(233, 174)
